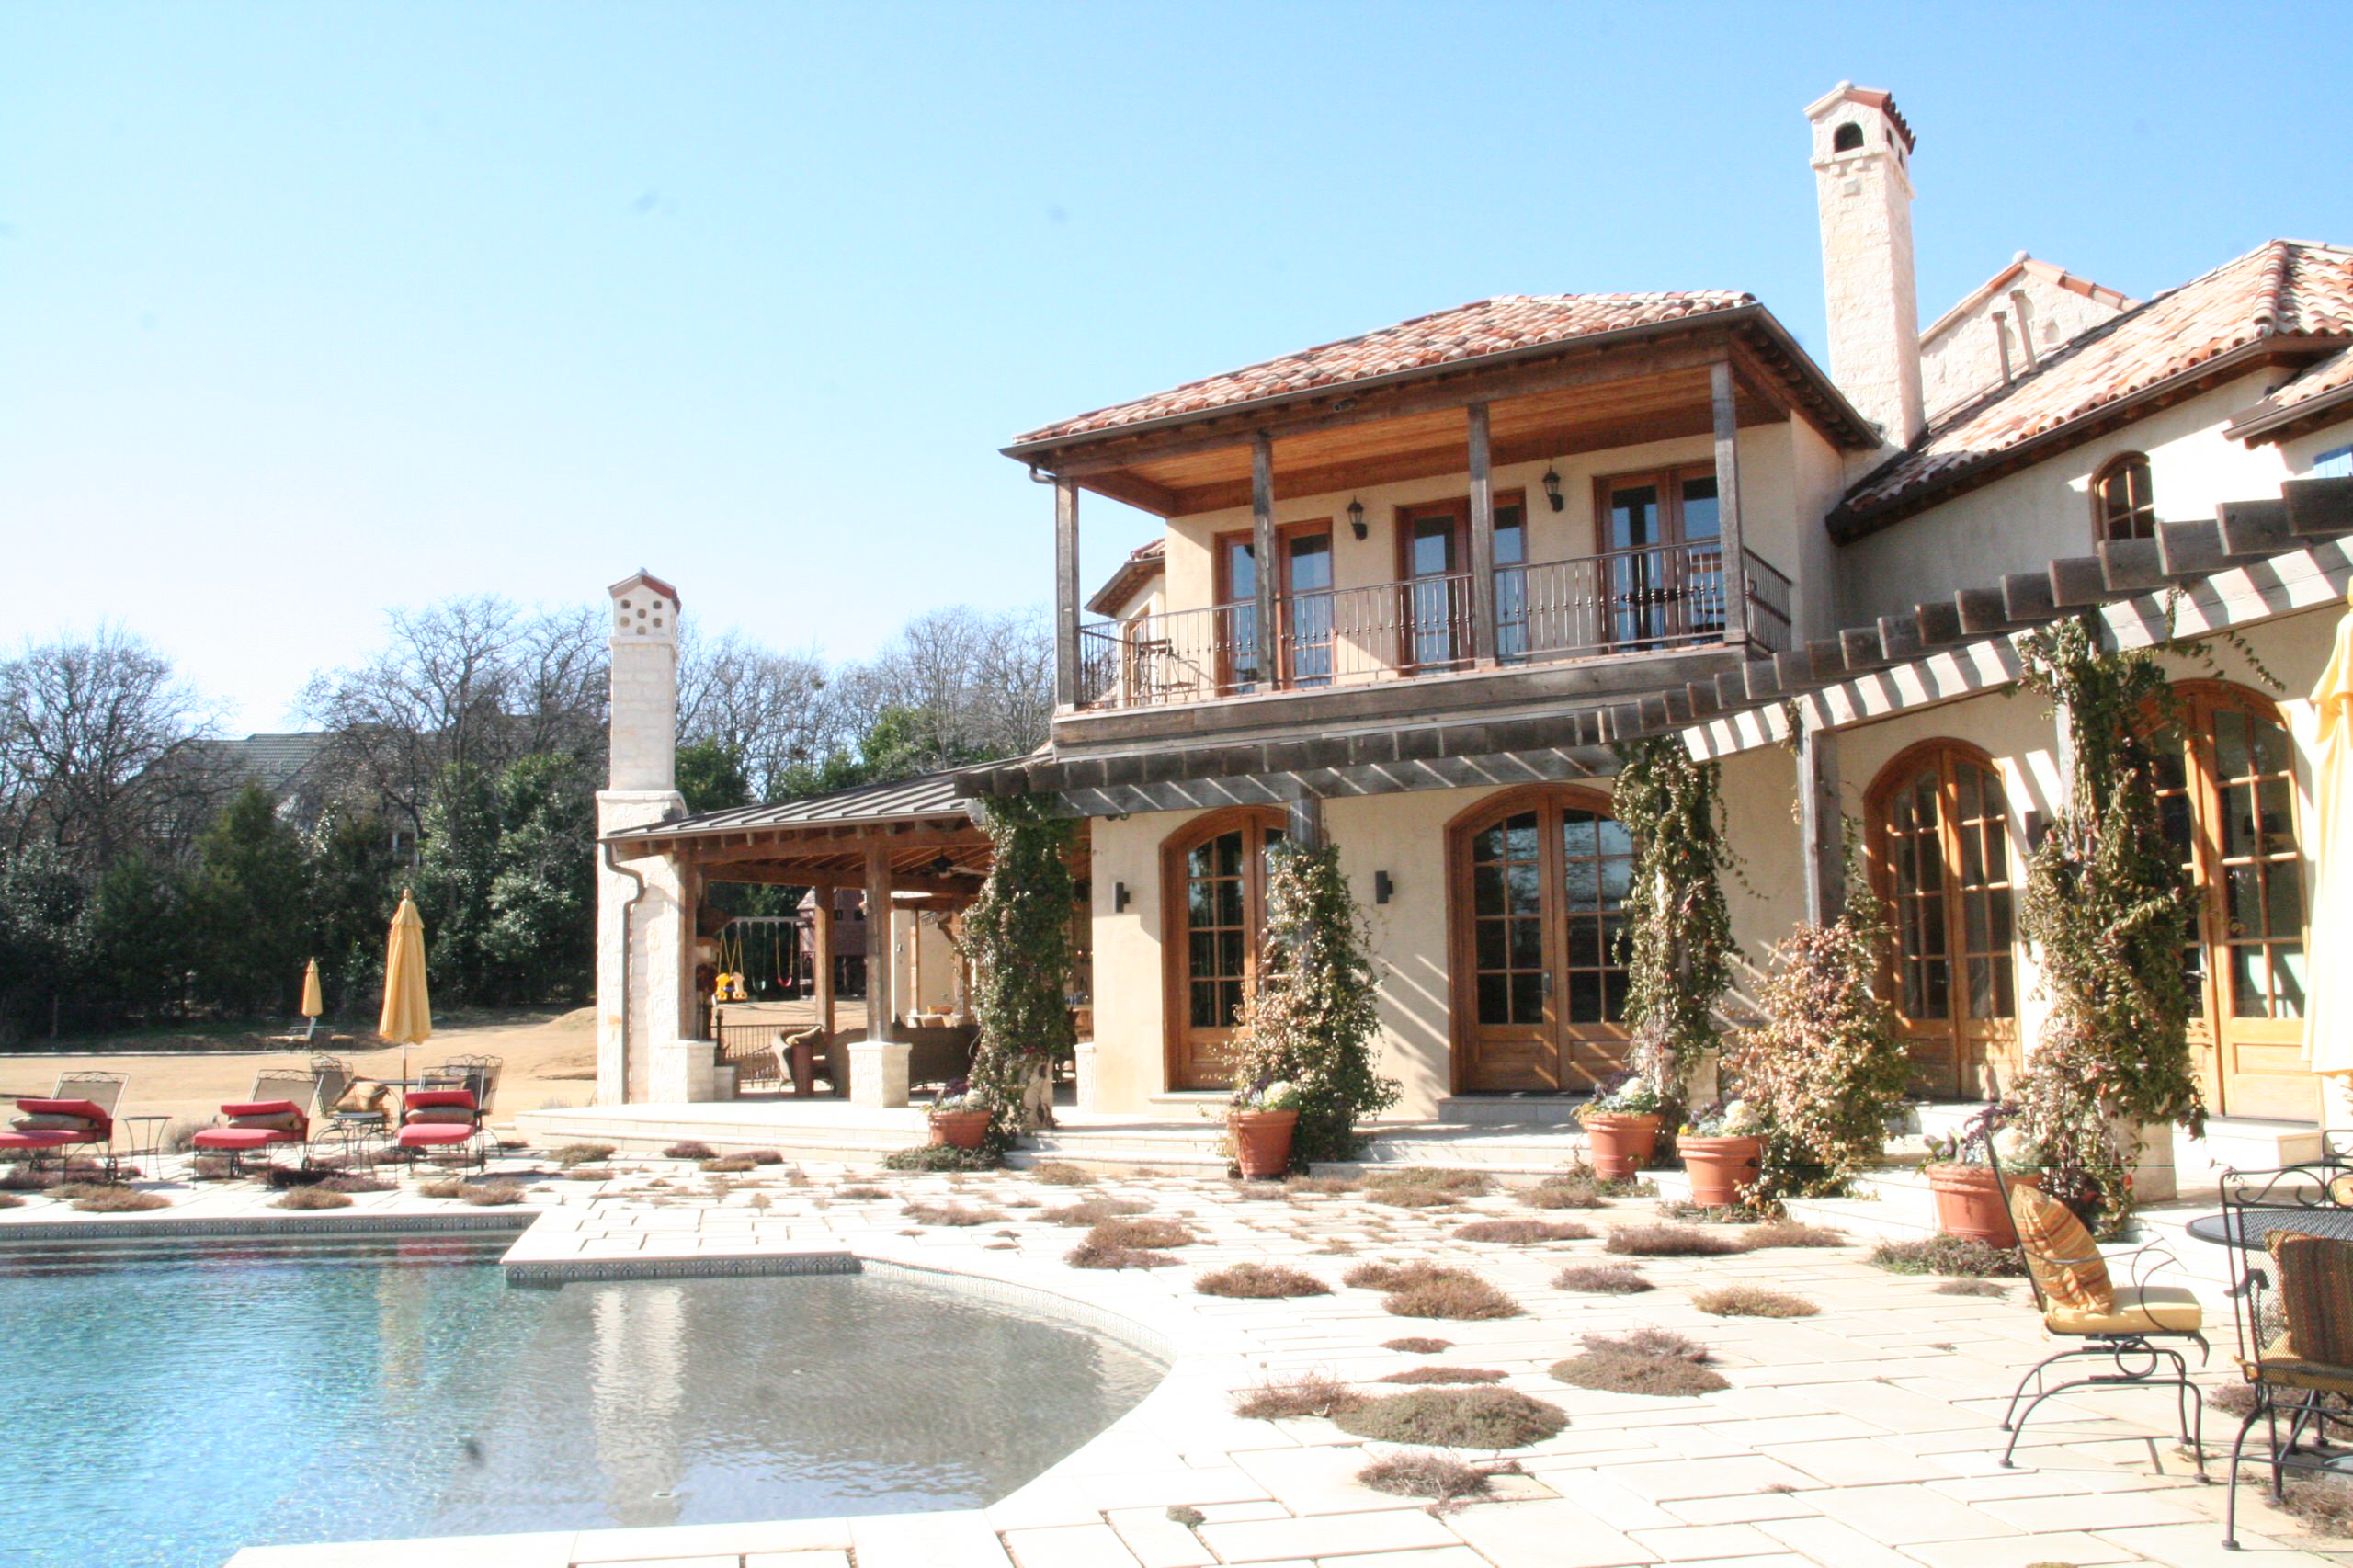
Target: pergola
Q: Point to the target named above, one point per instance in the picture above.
(913, 836)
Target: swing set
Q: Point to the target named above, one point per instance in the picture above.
(739, 949)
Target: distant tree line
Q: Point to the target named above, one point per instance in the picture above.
(147, 874)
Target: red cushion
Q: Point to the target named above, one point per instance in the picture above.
(262, 1107)
(463, 1098)
(243, 1137)
(84, 1108)
(46, 1139)
(433, 1132)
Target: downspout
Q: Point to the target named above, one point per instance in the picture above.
(628, 924)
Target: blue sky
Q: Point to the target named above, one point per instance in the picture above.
(310, 310)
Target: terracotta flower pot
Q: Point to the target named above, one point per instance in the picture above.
(1262, 1142)
(959, 1129)
(1720, 1168)
(1621, 1141)
(1970, 1203)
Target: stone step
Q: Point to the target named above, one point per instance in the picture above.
(1513, 1110)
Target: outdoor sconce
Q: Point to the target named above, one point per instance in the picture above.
(1381, 887)
(1356, 517)
(1552, 487)
(1118, 896)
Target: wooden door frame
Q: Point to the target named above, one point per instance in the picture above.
(1175, 956)
(1896, 772)
(1461, 958)
(1221, 590)
(1285, 595)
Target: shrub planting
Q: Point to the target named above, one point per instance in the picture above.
(1317, 1186)
(859, 1192)
(1092, 1253)
(1652, 1361)
(1444, 1375)
(925, 1213)
(1429, 1290)
(1424, 1475)
(1288, 1399)
(1148, 1233)
(1094, 1210)
(1670, 1240)
(1971, 1287)
(588, 1173)
(114, 1199)
(583, 1154)
(1602, 1279)
(1418, 1344)
(1260, 1281)
(1523, 1233)
(1752, 1302)
(936, 1157)
(1792, 1233)
(493, 1194)
(731, 1165)
(10, 1200)
(1055, 1173)
(1488, 1418)
(690, 1151)
(1958, 1256)
(320, 1196)
(357, 1181)
(1577, 1189)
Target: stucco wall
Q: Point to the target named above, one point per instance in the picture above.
(1964, 357)
(2021, 522)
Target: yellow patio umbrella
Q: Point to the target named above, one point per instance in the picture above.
(313, 1001)
(408, 1011)
(2328, 1015)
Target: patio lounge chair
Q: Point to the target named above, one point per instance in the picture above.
(78, 1115)
(278, 1111)
(2295, 1324)
(477, 1074)
(434, 1120)
(2136, 1328)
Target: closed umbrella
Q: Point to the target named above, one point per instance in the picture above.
(313, 1001)
(408, 1011)
(2328, 1008)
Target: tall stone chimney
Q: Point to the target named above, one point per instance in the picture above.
(645, 1002)
(1862, 154)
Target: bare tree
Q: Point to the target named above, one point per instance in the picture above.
(969, 685)
(770, 710)
(101, 750)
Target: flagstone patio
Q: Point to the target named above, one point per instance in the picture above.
(1866, 1435)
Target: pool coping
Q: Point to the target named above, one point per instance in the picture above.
(26, 1234)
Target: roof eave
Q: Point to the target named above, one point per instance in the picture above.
(2267, 424)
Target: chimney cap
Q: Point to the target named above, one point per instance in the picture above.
(647, 579)
(1869, 98)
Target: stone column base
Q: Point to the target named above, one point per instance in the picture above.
(878, 1072)
(1086, 1091)
(2153, 1177)
(682, 1072)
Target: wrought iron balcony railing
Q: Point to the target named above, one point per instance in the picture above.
(1627, 601)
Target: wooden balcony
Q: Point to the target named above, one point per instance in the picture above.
(1649, 601)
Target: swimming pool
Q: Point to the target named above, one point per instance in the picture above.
(213, 1396)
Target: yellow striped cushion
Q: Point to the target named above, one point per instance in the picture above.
(2340, 1189)
(2060, 1251)
(2315, 1274)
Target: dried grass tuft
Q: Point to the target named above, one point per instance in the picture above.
(1956, 1257)
(583, 1154)
(1971, 1288)
(1317, 1186)
(588, 1173)
(1418, 1344)
(320, 1196)
(861, 1192)
(1058, 1173)
(1260, 1281)
(493, 1194)
(1793, 1234)
(357, 1181)
(1523, 1233)
(1670, 1240)
(2325, 1506)
(10, 1200)
(1429, 1290)
(1462, 1184)
(1602, 1279)
(731, 1165)
(1615, 1371)
(1402, 1195)
(113, 1199)
(690, 1151)
(1752, 1302)
(1444, 1375)
(928, 1213)
(1094, 1210)
(1485, 1418)
(1092, 1253)
(1424, 1475)
(1147, 1233)
(1309, 1393)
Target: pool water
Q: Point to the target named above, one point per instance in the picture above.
(183, 1404)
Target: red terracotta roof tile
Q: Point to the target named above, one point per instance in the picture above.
(2282, 289)
(1144, 563)
(1467, 332)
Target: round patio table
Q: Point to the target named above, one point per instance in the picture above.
(2248, 1228)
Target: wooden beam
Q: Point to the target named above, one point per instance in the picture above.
(1306, 824)
(1822, 824)
(880, 1012)
(1735, 559)
(1066, 595)
(1262, 544)
(1134, 490)
(1483, 544)
(821, 964)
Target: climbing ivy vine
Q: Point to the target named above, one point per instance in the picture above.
(1677, 946)
(2106, 900)
(1018, 936)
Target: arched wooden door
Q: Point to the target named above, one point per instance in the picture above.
(2228, 789)
(1536, 905)
(1941, 858)
(1213, 879)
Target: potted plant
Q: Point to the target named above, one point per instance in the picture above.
(1261, 1120)
(1970, 1201)
(1723, 1147)
(959, 1116)
(1621, 1125)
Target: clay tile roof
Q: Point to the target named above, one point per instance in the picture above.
(2282, 289)
(1468, 332)
(2307, 398)
(1144, 563)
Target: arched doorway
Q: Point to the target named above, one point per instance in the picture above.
(2226, 783)
(1213, 879)
(1940, 851)
(1536, 890)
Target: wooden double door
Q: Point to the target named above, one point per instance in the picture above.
(1214, 876)
(1536, 912)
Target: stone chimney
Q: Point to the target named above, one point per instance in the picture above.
(644, 647)
(1863, 154)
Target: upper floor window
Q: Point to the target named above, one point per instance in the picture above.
(2123, 505)
(2335, 463)
(1847, 137)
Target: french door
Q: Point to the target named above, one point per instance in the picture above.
(1537, 906)
(2226, 785)
(1214, 876)
(1663, 562)
(1940, 856)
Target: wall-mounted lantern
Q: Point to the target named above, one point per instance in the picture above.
(1118, 896)
(1552, 487)
(1381, 887)
(1356, 517)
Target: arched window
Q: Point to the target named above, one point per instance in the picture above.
(1941, 858)
(2123, 505)
(1214, 879)
(2226, 785)
(1537, 889)
(1847, 137)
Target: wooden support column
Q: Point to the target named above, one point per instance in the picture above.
(878, 1009)
(1066, 693)
(1483, 544)
(1735, 568)
(1306, 824)
(1262, 546)
(821, 973)
(1822, 825)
